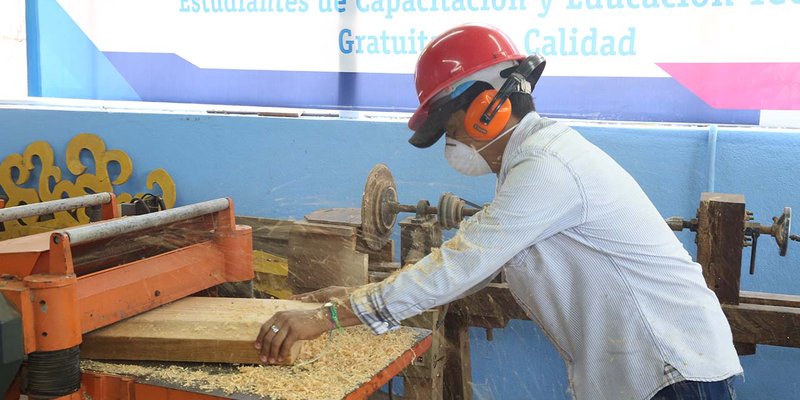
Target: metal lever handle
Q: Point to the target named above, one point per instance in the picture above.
(755, 234)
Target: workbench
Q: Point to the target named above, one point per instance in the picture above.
(157, 380)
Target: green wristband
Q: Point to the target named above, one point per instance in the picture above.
(334, 315)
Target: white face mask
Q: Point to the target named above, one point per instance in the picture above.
(466, 159)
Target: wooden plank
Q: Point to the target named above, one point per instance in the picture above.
(325, 255)
(760, 324)
(195, 329)
(720, 235)
(336, 216)
(770, 299)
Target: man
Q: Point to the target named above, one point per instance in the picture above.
(586, 254)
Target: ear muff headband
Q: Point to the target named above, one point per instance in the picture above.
(474, 124)
(489, 113)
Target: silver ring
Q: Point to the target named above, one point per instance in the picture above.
(274, 328)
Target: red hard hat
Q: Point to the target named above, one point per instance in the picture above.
(455, 54)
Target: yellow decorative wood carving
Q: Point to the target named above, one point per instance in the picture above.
(17, 172)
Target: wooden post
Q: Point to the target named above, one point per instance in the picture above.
(458, 368)
(720, 237)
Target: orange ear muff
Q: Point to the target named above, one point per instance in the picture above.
(480, 131)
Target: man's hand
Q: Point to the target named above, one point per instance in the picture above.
(323, 295)
(279, 333)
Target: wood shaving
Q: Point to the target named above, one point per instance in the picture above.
(352, 359)
(456, 242)
(436, 255)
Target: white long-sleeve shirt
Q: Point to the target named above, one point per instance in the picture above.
(589, 258)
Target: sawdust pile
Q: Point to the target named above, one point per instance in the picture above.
(348, 361)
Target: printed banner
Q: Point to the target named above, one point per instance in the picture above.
(716, 61)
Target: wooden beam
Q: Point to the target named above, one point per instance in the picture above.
(760, 324)
(720, 236)
(195, 329)
(770, 299)
(744, 349)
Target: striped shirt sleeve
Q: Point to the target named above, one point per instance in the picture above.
(539, 197)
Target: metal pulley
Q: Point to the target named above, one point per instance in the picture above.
(379, 208)
(451, 211)
(377, 214)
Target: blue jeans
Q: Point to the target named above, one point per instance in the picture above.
(695, 390)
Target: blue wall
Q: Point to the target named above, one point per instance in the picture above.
(285, 168)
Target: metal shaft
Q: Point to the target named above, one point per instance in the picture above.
(430, 210)
(90, 233)
(403, 208)
(49, 207)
